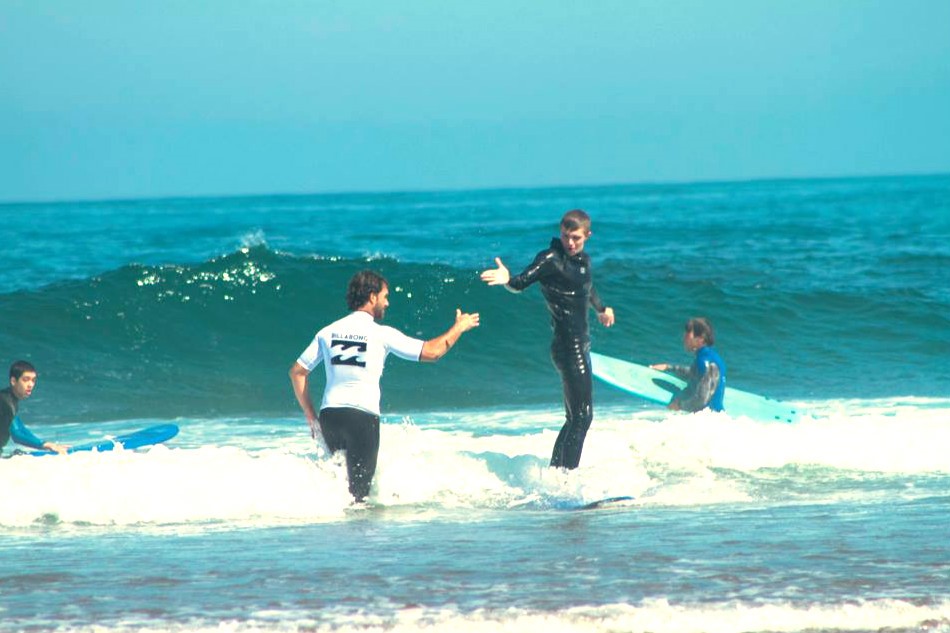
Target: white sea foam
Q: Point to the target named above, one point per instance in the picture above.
(897, 439)
(268, 472)
(253, 239)
(653, 616)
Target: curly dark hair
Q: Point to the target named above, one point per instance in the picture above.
(362, 285)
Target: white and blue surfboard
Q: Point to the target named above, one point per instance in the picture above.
(660, 387)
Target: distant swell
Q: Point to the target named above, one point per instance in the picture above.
(217, 338)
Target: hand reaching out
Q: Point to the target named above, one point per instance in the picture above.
(466, 321)
(496, 276)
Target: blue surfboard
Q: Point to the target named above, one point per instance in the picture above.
(145, 437)
(660, 387)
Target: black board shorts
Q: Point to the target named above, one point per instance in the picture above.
(356, 432)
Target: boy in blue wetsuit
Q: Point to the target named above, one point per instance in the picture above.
(706, 377)
(564, 273)
(22, 382)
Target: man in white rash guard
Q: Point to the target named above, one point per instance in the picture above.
(353, 350)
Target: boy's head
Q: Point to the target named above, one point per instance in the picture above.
(575, 229)
(698, 333)
(576, 219)
(368, 288)
(22, 379)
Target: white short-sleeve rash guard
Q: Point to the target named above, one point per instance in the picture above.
(353, 350)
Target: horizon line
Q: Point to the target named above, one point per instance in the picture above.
(499, 188)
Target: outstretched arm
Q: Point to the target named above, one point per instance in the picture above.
(436, 348)
(24, 436)
(680, 371)
(299, 380)
(516, 283)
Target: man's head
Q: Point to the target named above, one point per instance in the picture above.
(575, 229)
(22, 379)
(698, 333)
(369, 292)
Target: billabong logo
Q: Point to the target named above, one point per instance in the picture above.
(346, 356)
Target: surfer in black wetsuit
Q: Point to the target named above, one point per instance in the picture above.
(564, 272)
(22, 381)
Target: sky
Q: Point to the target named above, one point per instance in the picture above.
(108, 99)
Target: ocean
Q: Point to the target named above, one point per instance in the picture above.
(830, 294)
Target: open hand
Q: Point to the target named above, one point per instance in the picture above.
(497, 276)
(466, 321)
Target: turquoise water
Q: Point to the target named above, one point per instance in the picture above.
(832, 294)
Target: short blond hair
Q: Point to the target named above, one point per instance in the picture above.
(576, 219)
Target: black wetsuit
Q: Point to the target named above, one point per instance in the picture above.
(567, 286)
(10, 424)
(8, 409)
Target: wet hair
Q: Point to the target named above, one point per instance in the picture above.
(19, 368)
(700, 326)
(362, 285)
(576, 219)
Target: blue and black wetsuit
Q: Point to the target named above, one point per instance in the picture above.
(10, 424)
(705, 382)
(567, 286)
